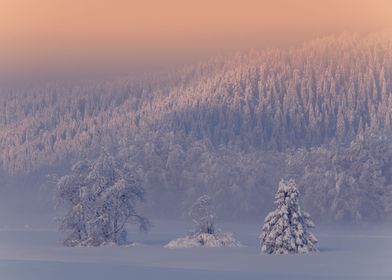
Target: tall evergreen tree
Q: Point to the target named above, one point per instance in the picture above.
(285, 230)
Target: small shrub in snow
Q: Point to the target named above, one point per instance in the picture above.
(203, 215)
(225, 239)
(285, 230)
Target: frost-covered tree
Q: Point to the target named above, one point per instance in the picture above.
(285, 230)
(73, 191)
(101, 196)
(203, 215)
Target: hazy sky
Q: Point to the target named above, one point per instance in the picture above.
(57, 31)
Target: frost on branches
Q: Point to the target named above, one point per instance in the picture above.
(203, 215)
(225, 239)
(285, 230)
(101, 196)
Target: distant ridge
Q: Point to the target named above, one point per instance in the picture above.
(329, 88)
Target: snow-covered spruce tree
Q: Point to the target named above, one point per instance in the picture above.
(203, 215)
(102, 196)
(285, 230)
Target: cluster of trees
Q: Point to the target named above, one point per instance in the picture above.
(349, 182)
(340, 182)
(230, 127)
(100, 197)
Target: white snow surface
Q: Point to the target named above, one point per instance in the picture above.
(30, 253)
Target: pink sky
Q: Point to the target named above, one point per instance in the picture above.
(38, 31)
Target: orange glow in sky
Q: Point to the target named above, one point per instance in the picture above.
(53, 29)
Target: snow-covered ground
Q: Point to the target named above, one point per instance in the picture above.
(37, 254)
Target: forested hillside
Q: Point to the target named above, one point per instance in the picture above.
(230, 127)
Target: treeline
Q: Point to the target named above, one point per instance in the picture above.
(225, 126)
(331, 88)
(338, 182)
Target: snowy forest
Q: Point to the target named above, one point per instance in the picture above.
(230, 127)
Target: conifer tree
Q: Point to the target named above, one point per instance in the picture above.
(285, 230)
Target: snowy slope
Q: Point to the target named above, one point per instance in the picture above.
(344, 254)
